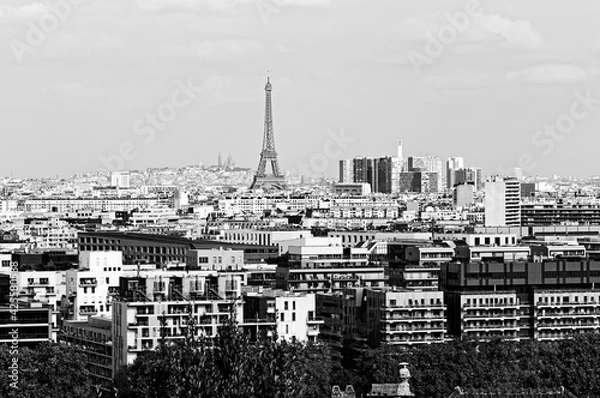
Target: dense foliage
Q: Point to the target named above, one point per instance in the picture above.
(49, 370)
(228, 367)
(437, 369)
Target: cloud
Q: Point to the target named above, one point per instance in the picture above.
(485, 29)
(514, 34)
(553, 74)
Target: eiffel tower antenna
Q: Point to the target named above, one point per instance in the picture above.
(275, 181)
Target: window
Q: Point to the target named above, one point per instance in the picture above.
(282, 317)
(285, 305)
(293, 317)
(293, 305)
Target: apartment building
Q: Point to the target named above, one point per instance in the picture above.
(94, 337)
(262, 236)
(521, 300)
(33, 322)
(562, 313)
(405, 317)
(164, 250)
(150, 307)
(215, 259)
(63, 205)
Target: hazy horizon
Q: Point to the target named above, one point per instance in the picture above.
(79, 86)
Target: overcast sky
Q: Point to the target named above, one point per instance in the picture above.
(365, 71)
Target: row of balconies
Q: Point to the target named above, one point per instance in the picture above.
(590, 314)
(467, 317)
(541, 304)
(568, 325)
(491, 305)
(486, 327)
(409, 319)
(427, 329)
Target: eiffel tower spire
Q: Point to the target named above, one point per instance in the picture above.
(276, 181)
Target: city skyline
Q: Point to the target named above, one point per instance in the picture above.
(86, 87)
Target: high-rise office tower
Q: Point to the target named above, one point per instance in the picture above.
(451, 165)
(418, 181)
(400, 154)
(503, 202)
(469, 174)
(429, 164)
(346, 171)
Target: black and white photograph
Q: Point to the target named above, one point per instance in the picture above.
(299, 199)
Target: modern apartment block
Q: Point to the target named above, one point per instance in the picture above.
(522, 299)
(33, 321)
(215, 259)
(149, 308)
(405, 317)
(322, 264)
(164, 250)
(344, 320)
(555, 213)
(47, 288)
(503, 202)
(291, 314)
(94, 337)
(485, 315)
(560, 313)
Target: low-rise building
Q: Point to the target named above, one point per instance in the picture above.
(405, 317)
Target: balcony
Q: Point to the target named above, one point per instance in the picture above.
(87, 310)
(315, 322)
(88, 282)
(558, 305)
(568, 325)
(490, 316)
(411, 319)
(486, 328)
(559, 315)
(413, 307)
(38, 284)
(423, 329)
(492, 305)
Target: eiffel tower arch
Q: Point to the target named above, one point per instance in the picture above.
(268, 155)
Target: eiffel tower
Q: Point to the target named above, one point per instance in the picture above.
(276, 181)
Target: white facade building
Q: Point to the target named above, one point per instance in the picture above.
(502, 202)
